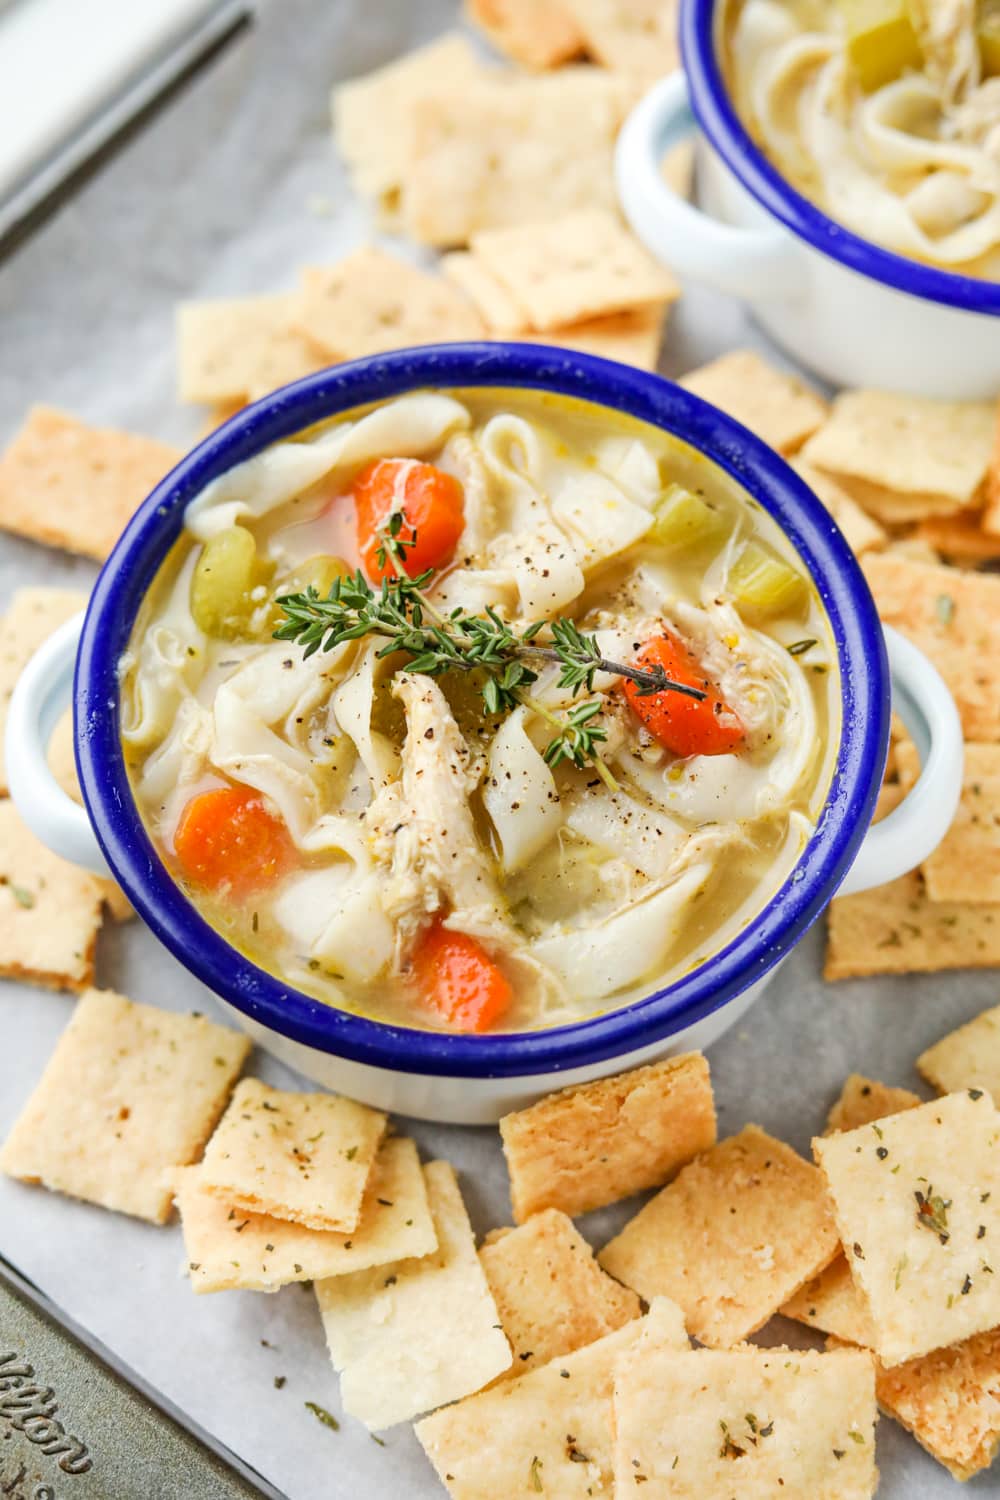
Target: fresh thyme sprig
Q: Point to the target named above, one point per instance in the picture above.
(400, 613)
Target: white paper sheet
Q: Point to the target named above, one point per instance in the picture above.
(229, 191)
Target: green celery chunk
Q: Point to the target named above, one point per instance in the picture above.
(882, 40)
(320, 573)
(763, 584)
(683, 519)
(223, 577)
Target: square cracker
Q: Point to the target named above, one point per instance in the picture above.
(955, 618)
(371, 301)
(905, 457)
(423, 1334)
(74, 486)
(632, 338)
(598, 1142)
(535, 33)
(551, 1294)
(950, 1401)
(548, 1432)
(905, 933)
(50, 911)
(372, 114)
(580, 266)
(510, 150)
(862, 533)
(863, 1100)
(965, 866)
(497, 308)
(633, 36)
(130, 1093)
(731, 1238)
(228, 1249)
(918, 1208)
(32, 616)
(968, 1058)
(303, 1157)
(778, 407)
(832, 1303)
(708, 1425)
(240, 348)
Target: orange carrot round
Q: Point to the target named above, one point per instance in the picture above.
(431, 503)
(227, 839)
(687, 726)
(456, 977)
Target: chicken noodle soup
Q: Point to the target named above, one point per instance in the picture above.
(477, 711)
(884, 112)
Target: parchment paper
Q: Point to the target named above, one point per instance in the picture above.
(228, 190)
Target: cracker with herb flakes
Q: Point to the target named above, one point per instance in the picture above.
(734, 1235)
(865, 1099)
(598, 1142)
(950, 1402)
(377, 156)
(831, 1303)
(551, 1294)
(535, 33)
(372, 301)
(32, 615)
(580, 266)
(130, 1093)
(778, 407)
(954, 617)
(303, 1157)
(708, 1425)
(906, 457)
(965, 866)
(241, 348)
(632, 338)
(862, 533)
(70, 485)
(968, 1058)
(509, 150)
(548, 1432)
(228, 1249)
(409, 1337)
(903, 932)
(917, 1202)
(632, 36)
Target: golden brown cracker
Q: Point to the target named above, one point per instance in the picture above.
(968, 1058)
(241, 348)
(965, 866)
(32, 615)
(778, 407)
(535, 33)
(905, 933)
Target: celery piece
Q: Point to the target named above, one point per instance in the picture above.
(320, 573)
(224, 574)
(763, 584)
(988, 36)
(683, 519)
(882, 40)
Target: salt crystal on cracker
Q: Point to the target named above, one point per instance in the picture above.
(229, 1249)
(865, 1099)
(31, 617)
(74, 486)
(409, 1337)
(968, 1058)
(241, 348)
(731, 1238)
(862, 532)
(535, 33)
(950, 1401)
(905, 933)
(601, 1141)
(551, 1294)
(778, 407)
(130, 1093)
(548, 1432)
(965, 866)
(708, 1425)
(304, 1157)
(917, 1203)
(905, 457)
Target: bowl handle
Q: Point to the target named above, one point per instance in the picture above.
(913, 830)
(42, 693)
(750, 263)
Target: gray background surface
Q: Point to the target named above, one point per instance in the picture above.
(228, 190)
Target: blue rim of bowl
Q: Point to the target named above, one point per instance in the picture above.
(262, 997)
(714, 111)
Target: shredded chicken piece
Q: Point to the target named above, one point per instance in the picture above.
(947, 30)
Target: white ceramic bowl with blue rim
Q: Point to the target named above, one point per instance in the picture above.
(850, 310)
(475, 1079)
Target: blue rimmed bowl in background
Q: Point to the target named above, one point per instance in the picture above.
(848, 309)
(475, 1079)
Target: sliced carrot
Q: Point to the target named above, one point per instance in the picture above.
(227, 839)
(687, 726)
(457, 978)
(433, 509)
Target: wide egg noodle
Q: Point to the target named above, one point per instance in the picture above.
(519, 793)
(166, 669)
